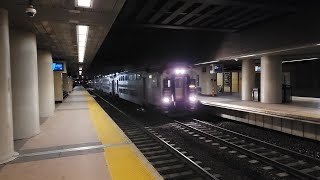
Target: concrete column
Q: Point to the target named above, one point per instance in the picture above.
(58, 92)
(271, 70)
(65, 82)
(70, 82)
(25, 94)
(248, 77)
(46, 84)
(6, 130)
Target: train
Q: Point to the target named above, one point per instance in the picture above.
(169, 89)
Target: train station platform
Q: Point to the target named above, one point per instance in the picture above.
(80, 141)
(300, 117)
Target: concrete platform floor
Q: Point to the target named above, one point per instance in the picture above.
(304, 108)
(79, 142)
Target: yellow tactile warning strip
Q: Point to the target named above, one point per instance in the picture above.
(124, 160)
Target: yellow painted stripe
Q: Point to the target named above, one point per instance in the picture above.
(125, 161)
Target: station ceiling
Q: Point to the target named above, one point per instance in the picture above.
(143, 32)
(149, 32)
(55, 25)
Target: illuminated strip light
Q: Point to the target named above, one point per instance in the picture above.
(84, 3)
(80, 72)
(299, 60)
(82, 36)
(208, 62)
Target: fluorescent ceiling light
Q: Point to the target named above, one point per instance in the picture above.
(80, 72)
(299, 60)
(84, 3)
(250, 55)
(80, 68)
(208, 62)
(82, 36)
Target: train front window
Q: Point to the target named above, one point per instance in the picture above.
(166, 83)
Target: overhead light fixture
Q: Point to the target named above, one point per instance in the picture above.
(250, 55)
(82, 36)
(84, 3)
(299, 60)
(80, 72)
(80, 68)
(208, 62)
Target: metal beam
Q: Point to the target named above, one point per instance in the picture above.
(179, 27)
(184, 7)
(259, 18)
(245, 18)
(191, 14)
(163, 10)
(147, 8)
(206, 15)
(246, 4)
(231, 18)
(215, 18)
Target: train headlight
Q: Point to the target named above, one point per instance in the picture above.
(166, 100)
(180, 71)
(192, 98)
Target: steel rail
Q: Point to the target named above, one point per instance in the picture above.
(194, 166)
(281, 166)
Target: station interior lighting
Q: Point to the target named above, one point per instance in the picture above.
(80, 72)
(299, 60)
(208, 62)
(82, 36)
(84, 3)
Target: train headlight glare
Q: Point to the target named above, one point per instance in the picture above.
(180, 71)
(192, 98)
(166, 100)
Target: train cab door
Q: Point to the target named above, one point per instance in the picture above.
(179, 88)
(112, 85)
(117, 86)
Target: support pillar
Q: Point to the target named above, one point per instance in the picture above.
(25, 94)
(271, 70)
(46, 84)
(6, 129)
(65, 82)
(70, 82)
(58, 87)
(248, 77)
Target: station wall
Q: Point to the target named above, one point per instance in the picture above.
(304, 78)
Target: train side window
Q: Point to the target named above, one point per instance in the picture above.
(166, 83)
(138, 76)
(126, 77)
(130, 77)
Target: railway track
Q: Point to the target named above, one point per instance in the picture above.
(166, 159)
(290, 162)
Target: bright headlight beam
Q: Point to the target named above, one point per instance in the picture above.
(82, 36)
